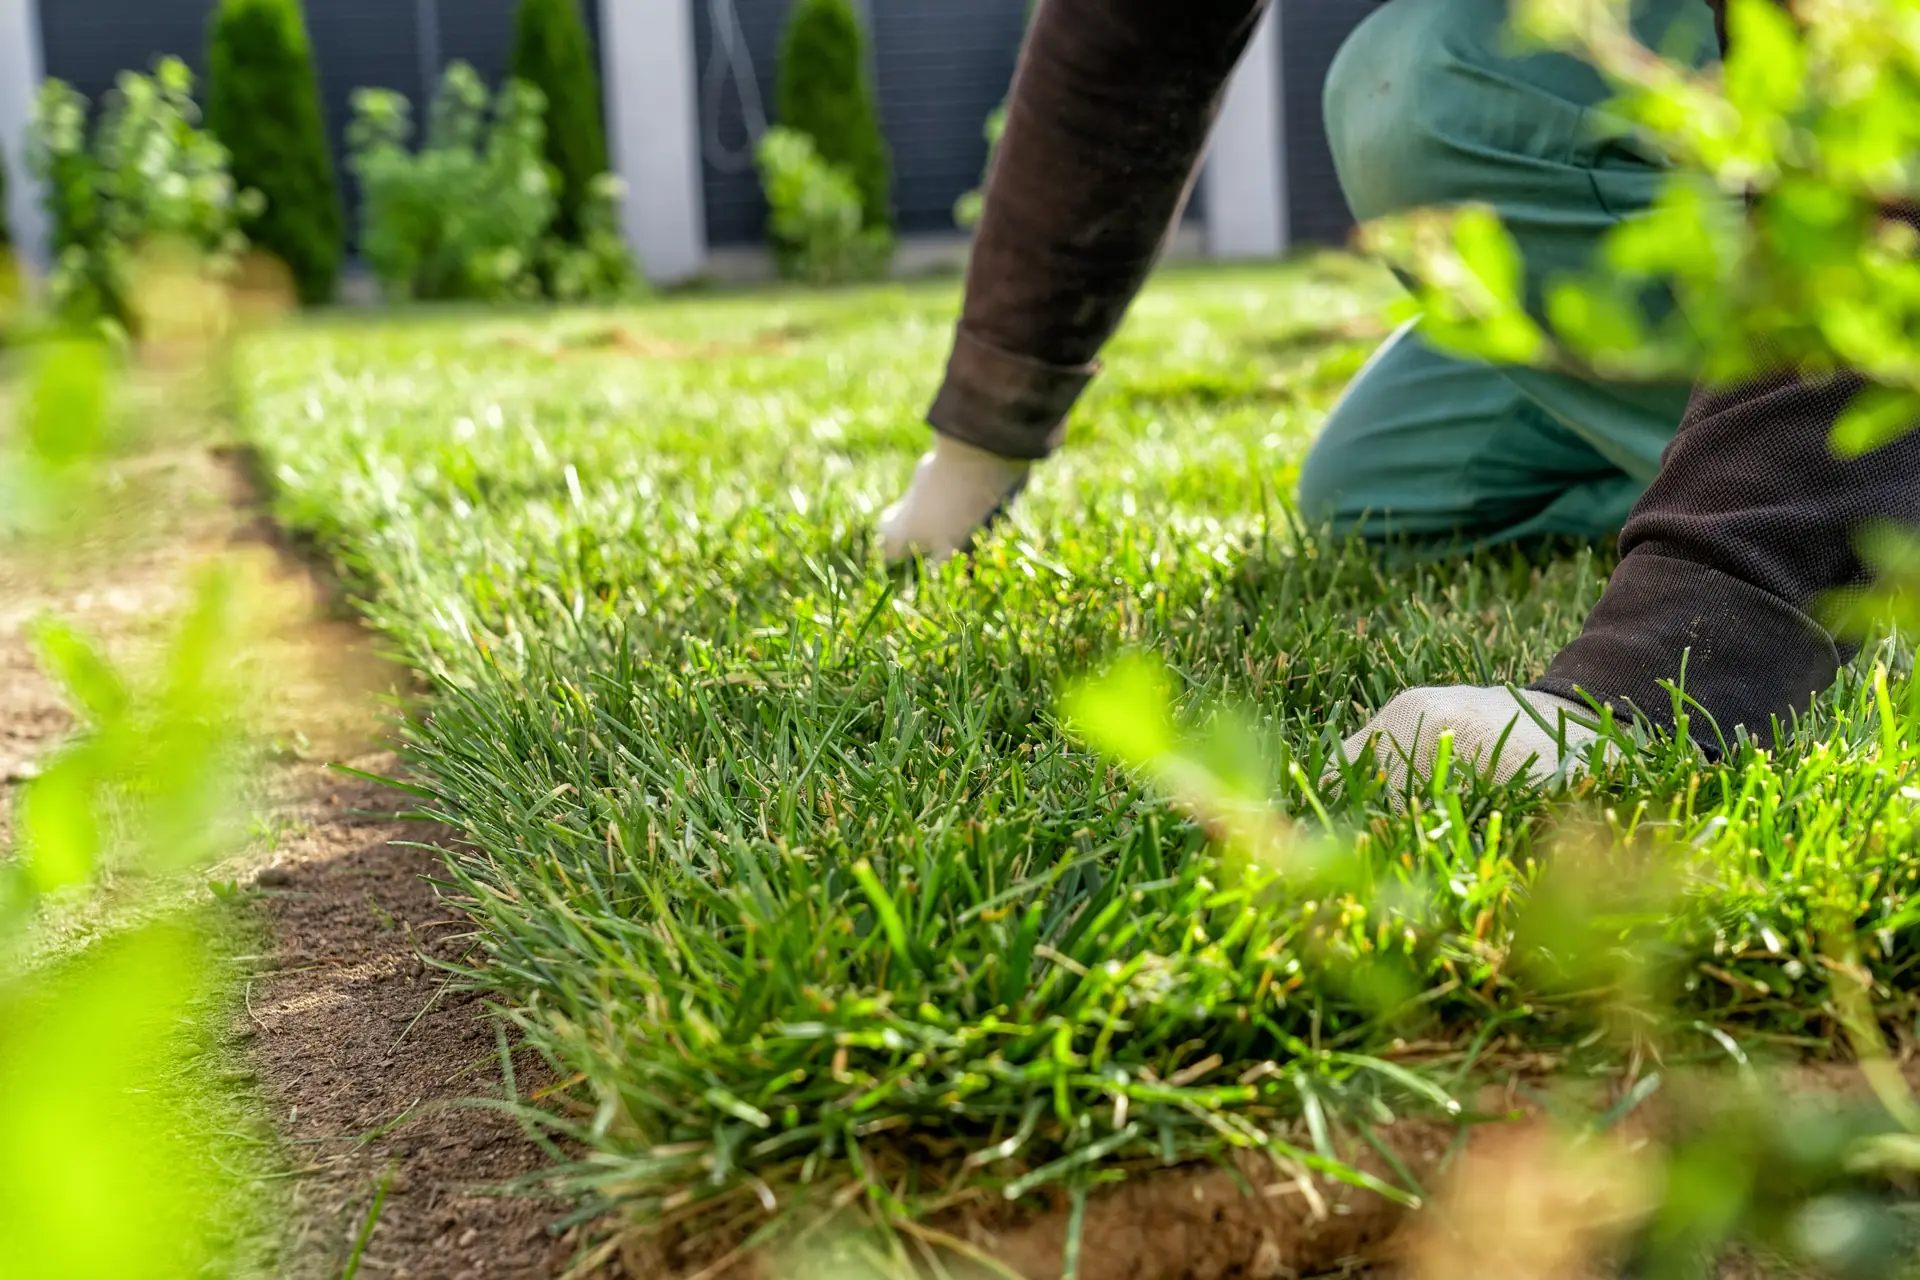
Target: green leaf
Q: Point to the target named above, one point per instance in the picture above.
(66, 407)
(59, 829)
(1876, 417)
(1765, 70)
(1489, 252)
(80, 670)
(721, 1100)
(890, 921)
(1126, 712)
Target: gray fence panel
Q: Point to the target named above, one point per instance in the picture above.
(942, 68)
(88, 43)
(1311, 32)
(735, 212)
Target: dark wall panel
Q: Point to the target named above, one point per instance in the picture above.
(89, 42)
(942, 68)
(735, 212)
(1310, 34)
(479, 32)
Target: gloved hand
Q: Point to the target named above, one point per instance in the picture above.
(958, 490)
(1407, 730)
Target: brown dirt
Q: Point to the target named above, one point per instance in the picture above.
(370, 1053)
(357, 1042)
(1255, 1221)
(362, 1044)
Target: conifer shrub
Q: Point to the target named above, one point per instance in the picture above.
(263, 104)
(822, 90)
(552, 52)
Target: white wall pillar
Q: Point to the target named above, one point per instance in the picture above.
(653, 131)
(1246, 174)
(20, 75)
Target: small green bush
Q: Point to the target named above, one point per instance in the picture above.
(551, 52)
(263, 103)
(822, 91)
(462, 217)
(595, 264)
(147, 176)
(816, 218)
(470, 215)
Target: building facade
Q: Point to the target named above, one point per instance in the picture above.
(687, 82)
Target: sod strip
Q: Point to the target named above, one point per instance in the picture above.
(788, 864)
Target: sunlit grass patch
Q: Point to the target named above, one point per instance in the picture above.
(791, 868)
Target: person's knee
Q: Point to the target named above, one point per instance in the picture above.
(1334, 487)
(1375, 122)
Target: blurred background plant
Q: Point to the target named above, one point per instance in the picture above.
(553, 52)
(966, 210)
(263, 103)
(462, 216)
(815, 213)
(593, 264)
(824, 167)
(472, 214)
(142, 179)
(823, 89)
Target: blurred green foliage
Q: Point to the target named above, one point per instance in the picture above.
(461, 217)
(470, 214)
(820, 236)
(823, 88)
(552, 52)
(1779, 232)
(95, 1177)
(141, 179)
(263, 104)
(98, 1175)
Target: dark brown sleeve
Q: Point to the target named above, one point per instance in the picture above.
(1110, 111)
(1731, 555)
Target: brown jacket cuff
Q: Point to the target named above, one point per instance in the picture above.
(1751, 658)
(1004, 403)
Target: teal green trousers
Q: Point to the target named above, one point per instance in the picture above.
(1432, 103)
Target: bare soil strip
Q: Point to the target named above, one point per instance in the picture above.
(357, 1043)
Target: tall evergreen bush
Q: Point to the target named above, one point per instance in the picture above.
(822, 91)
(263, 103)
(551, 51)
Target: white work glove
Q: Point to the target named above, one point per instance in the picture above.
(957, 491)
(1407, 731)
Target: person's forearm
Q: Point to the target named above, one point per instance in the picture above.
(1110, 111)
(1731, 556)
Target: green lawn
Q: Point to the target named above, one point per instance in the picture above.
(789, 865)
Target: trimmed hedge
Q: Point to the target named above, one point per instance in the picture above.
(822, 91)
(263, 103)
(552, 52)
